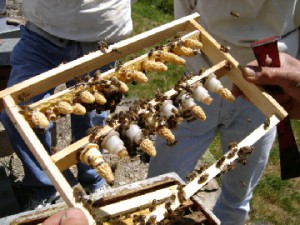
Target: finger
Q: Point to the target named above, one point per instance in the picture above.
(263, 75)
(54, 219)
(282, 77)
(72, 216)
(253, 74)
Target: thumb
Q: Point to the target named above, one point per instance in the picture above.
(72, 216)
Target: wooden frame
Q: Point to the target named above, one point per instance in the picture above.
(108, 205)
(53, 165)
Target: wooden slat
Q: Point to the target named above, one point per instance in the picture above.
(192, 187)
(130, 205)
(106, 75)
(42, 156)
(69, 155)
(94, 60)
(256, 95)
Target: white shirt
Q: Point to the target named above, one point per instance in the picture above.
(81, 20)
(257, 19)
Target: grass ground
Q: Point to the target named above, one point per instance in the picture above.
(145, 17)
(274, 201)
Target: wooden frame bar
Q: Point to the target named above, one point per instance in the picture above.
(53, 165)
(94, 60)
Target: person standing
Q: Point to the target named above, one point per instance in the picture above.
(235, 24)
(58, 32)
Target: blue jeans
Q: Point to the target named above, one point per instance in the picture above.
(34, 55)
(234, 121)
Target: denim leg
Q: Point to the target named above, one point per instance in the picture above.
(234, 121)
(233, 205)
(34, 55)
(27, 62)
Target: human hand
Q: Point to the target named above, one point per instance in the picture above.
(287, 77)
(72, 216)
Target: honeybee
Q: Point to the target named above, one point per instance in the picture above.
(159, 97)
(116, 51)
(243, 183)
(178, 36)
(153, 205)
(232, 145)
(201, 70)
(224, 48)
(180, 43)
(242, 151)
(97, 74)
(159, 47)
(230, 155)
(125, 126)
(234, 14)
(247, 150)
(93, 131)
(87, 77)
(114, 167)
(242, 160)
(140, 219)
(202, 167)
(150, 53)
(23, 97)
(228, 167)
(135, 218)
(173, 197)
(203, 178)
(25, 109)
(102, 45)
(87, 203)
(99, 221)
(267, 123)
(151, 219)
(168, 204)
(191, 176)
(78, 194)
(119, 66)
(251, 149)
(115, 81)
(220, 162)
(180, 194)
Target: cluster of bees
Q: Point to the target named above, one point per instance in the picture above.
(172, 215)
(139, 217)
(225, 164)
(131, 131)
(97, 94)
(101, 94)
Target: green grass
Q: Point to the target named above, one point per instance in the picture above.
(274, 201)
(147, 15)
(277, 201)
